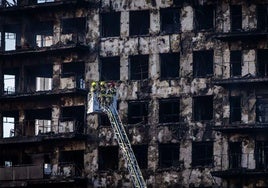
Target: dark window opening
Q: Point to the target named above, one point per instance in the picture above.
(202, 154)
(262, 62)
(38, 78)
(204, 17)
(110, 24)
(178, 2)
(141, 154)
(139, 22)
(235, 109)
(37, 121)
(235, 154)
(262, 110)
(236, 17)
(235, 62)
(137, 112)
(73, 25)
(169, 155)
(72, 162)
(139, 67)
(169, 110)
(203, 108)
(9, 126)
(76, 70)
(261, 154)
(170, 65)
(72, 119)
(104, 120)
(108, 158)
(203, 63)
(11, 80)
(262, 17)
(110, 68)
(170, 20)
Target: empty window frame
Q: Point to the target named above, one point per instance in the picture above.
(203, 63)
(72, 119)
(262, 62)
(203, 108)
(72, 162)
(110, 24)
(43, 84)
(9, 84)
(73, 25)
(235, 154)
(8, 127)
(262, 109)
(43, 33)
(110, 68)
(235, 109)
(108, 158)
(170, 20)
(9, 3)
(204, 17)
(169, 155)
(202, 153)
(169, 110)
(261, 153)
(137, 112)
(169, 65)
(76, 70)
(262, 17)
(42, 126)
(139, 67)
(236, 62)
(11, 37)
(141, 154)
(236, 17)
(139, 22)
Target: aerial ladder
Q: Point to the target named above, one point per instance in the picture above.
(103, 99)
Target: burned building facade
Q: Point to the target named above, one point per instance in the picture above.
(191, 79)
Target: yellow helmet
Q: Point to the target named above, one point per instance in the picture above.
(102, 83)
(93, 84)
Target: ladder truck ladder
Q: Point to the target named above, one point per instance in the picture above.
(105, 102)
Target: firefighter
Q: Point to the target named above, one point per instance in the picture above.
(103, 91)
(94, 87)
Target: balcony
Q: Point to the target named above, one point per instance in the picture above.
(23, 175)
(240, 81)
(18, 6)
(246, 36)
(243, 165)
(242, 128)
(31, 131)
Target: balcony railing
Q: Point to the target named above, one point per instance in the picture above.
(38, 172)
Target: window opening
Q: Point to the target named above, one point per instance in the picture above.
(9, 3)
(110, 24)
(72, 119)
(137, 112)
(104, 120)
(235, 154)
(141, 154)
(73, 25)
(236, 17)
(75, 69)
(204, 17)
(203, 108)
(236, 61)
(42, 126)
(108, 158)
(139, 22)
(9, 84)
(203, 63)
(262, 62)
(261, 154)
(110, 68)
(10, 41)
(169, 110)
(71, 163)
(43, 84)
(44, 1)
(262, 110)
(169, 155)
(139, 67)
(170, 20)
(235, 109)
(8, 127)
(170, 65)
(262, 17)
(202, 154)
